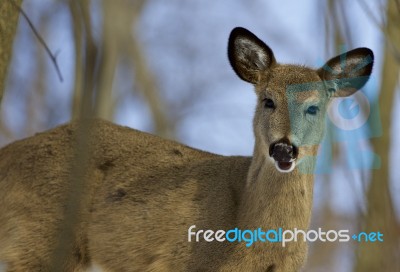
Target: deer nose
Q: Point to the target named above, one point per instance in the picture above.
(283, 151)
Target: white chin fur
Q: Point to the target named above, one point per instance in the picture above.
(288, 170)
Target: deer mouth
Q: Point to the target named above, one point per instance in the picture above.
(284, 155)
(285, 167)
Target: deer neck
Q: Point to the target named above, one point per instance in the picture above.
(273, 199)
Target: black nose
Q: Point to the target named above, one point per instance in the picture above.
(283, 151)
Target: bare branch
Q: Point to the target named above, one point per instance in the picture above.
(392, 47)
(52, 56)
(76, 195)
(77, 26)
(8, 25)
(398, 5)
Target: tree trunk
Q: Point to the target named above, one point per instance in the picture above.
(8, 26)
(383, 256)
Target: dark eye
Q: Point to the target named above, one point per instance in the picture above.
(313, 110)
(268, 103)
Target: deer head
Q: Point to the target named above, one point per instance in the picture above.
(289, 122)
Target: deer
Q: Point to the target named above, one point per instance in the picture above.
(144, 194)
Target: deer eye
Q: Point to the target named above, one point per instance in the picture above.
(268, 103)
(313, 110)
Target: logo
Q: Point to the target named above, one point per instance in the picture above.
(341, 108)
(279, 236)
(352, 121)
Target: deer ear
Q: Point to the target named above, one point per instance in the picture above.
(345, 74)
(248, 55)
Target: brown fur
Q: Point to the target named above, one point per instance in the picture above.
(144, 192)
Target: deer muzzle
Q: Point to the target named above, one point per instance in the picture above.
(284, 154)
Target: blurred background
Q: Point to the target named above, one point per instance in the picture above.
(161, 67)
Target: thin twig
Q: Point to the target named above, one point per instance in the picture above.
(52, 56)
(345, 25)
